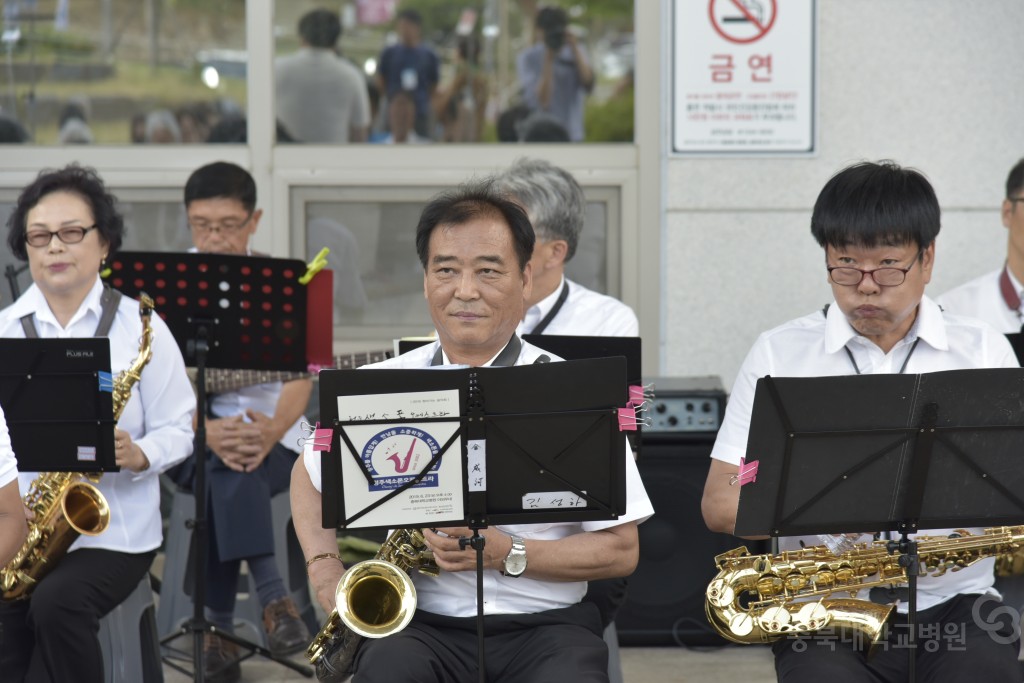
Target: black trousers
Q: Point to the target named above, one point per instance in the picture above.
(968, 638)
(52, 636)
(548, 647)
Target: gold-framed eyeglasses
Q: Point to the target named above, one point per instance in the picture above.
(72, 234)
(883, 277)
(227, 226)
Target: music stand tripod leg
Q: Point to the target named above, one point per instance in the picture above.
(197, 626)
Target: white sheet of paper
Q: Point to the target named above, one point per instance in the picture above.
(395, 453)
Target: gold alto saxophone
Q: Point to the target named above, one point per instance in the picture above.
(68, 504)
(375, 598)
(761, 598)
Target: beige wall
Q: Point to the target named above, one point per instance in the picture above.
(933, 84)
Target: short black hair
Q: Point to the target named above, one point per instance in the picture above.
(467, 202)
(508, 122)
(872, 204)
(551, 18)
(320, 28)
(1015, 181)
(540, 127)
(11, 131)
(78, 180)
(221, 179)
(412, 16)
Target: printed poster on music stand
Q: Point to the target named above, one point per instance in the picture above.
(379, 457)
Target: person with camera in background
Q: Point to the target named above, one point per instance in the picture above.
(554, 73)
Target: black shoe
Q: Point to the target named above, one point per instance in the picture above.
(286, 632)
(221, 660)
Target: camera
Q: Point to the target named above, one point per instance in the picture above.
(554, 37)
(552, 22)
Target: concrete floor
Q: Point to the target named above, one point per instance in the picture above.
(732, 664)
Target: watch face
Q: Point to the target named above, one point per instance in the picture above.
(515, 563)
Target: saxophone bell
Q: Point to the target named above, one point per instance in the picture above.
(85, 509)
(375, 598)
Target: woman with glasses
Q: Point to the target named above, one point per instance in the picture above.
(66, 225)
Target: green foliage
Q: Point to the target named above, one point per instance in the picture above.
(441, 15)
(610, 121)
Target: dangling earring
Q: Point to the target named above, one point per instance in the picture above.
(104, 268)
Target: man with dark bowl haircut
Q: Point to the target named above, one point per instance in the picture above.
(877, 224)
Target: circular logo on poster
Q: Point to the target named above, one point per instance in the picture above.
(396, 456)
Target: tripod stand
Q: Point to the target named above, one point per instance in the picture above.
(198, 625)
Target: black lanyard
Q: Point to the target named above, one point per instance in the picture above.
(542, 325)
(508, 356)
(849, 353)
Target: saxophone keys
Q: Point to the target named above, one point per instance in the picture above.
(775, 619)
(741, 624)
(720, 593)
(812, 616)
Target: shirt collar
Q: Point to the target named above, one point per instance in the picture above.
(33, 301)
(929, 326)
(445, 360)
(542, 307)
(1017, 286)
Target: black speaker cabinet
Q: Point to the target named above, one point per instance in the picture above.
(665, 601)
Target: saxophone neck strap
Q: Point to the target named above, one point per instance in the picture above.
(508, 356)
(109, 302)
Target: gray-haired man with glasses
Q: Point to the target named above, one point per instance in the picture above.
(995, 297)
(877, 224)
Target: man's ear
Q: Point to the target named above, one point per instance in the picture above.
(254, 222)
(559, 250)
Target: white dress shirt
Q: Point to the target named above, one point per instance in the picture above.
(812, 346)
(8, 465)
(158, 416)
(981, 298)
(454, 593)
(585, 313)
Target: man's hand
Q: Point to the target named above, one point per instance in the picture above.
(324, 575)
(451, 558)
(236, 442)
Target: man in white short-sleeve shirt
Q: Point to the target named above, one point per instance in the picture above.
(475, 247)
(877, 224)
(995, 297)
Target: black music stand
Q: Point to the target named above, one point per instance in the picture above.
(885, 452)
(69, 378)
(575, 347)
(525, 453)
(224, 311)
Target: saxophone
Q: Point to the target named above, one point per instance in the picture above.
(761, 598)
(68, 504)
(375, 598)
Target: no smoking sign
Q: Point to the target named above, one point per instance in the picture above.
(742, 21)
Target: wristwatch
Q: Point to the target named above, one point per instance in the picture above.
(515, 561)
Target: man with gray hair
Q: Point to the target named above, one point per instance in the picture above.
(555, 203)
(556, 206)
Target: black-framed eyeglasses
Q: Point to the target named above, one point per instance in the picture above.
(227, 226)
(72, 234)
(883, 277)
